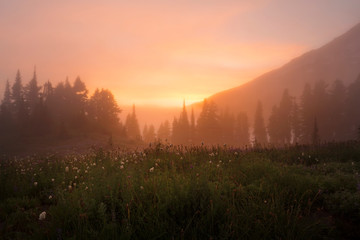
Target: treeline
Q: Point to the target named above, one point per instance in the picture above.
(322, 113)
(62, 111)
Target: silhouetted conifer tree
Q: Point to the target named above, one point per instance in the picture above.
(337, 108)
(352, 108)
(242, 135)
(259, 126)
(307, 114)
(273, 127)
(164, 131)
(132, 126)
(208, 126)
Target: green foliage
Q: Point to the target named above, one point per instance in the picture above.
(166, 192)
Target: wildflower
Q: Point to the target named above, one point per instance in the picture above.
(122, 167)
(52, 180)
(67, 169)
(352, 163)
(76, 177)
(50, 197)
(236, 153)
(69, 187)
(151, 169)
(42, 216)
(35, 184)
(229, 160)
(86, 188)
(141, 187)
(218, 165)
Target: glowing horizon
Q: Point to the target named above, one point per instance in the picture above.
(160, 52)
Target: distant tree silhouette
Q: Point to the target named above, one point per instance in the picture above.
(149, 134)
(259, 126)
(295, 122)
(208, 127)
(183, 127)
(192, 127)
(315, 134)
(19, 106)
(79, 101)
(352, 109)
(321, 109)
(227, 122)
(307, 114)
(132, 126)
(103, 111)
(175, 133)
(274, 127)
(285, 108)
(164, 131)
(337, 110)
(6, 118)
(242, 135)
(32, 95)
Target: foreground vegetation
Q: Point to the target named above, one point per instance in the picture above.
(174, 192)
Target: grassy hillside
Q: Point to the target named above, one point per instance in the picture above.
(168, 192)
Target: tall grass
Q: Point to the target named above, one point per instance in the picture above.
(177, 192)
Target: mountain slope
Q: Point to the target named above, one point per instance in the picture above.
(339, 59)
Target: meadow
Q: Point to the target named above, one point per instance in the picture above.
(178, 192)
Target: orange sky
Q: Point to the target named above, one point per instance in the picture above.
(159, 52)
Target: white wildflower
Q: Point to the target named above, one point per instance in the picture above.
(151, 169)
(35, 184)
(66, 169)
(50, 197)
(42, 216)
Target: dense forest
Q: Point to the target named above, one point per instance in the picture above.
(321, 113)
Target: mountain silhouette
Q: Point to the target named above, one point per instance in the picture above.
(339, 59)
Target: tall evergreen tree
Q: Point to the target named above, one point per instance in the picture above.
(274, 127)
(132, 126)
(352, 108)
(259, 126)
(227, 123)
(103, 112)
(208, 126)
(307, 114)
(337, 107)
(242, 135)
(164, 131)
(321, 111)
(32, 94)
(284, 118)
(295, 122)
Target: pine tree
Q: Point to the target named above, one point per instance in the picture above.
(315, 134)
(273, 127)
(132, 126)
(208, 126)
(32, 94)
(307, 114)
(259, 126)
(227, 123)
(164, 131)
(242, 135)
(352, 116)
(284, 118)
(295, 122)
(337, 107)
